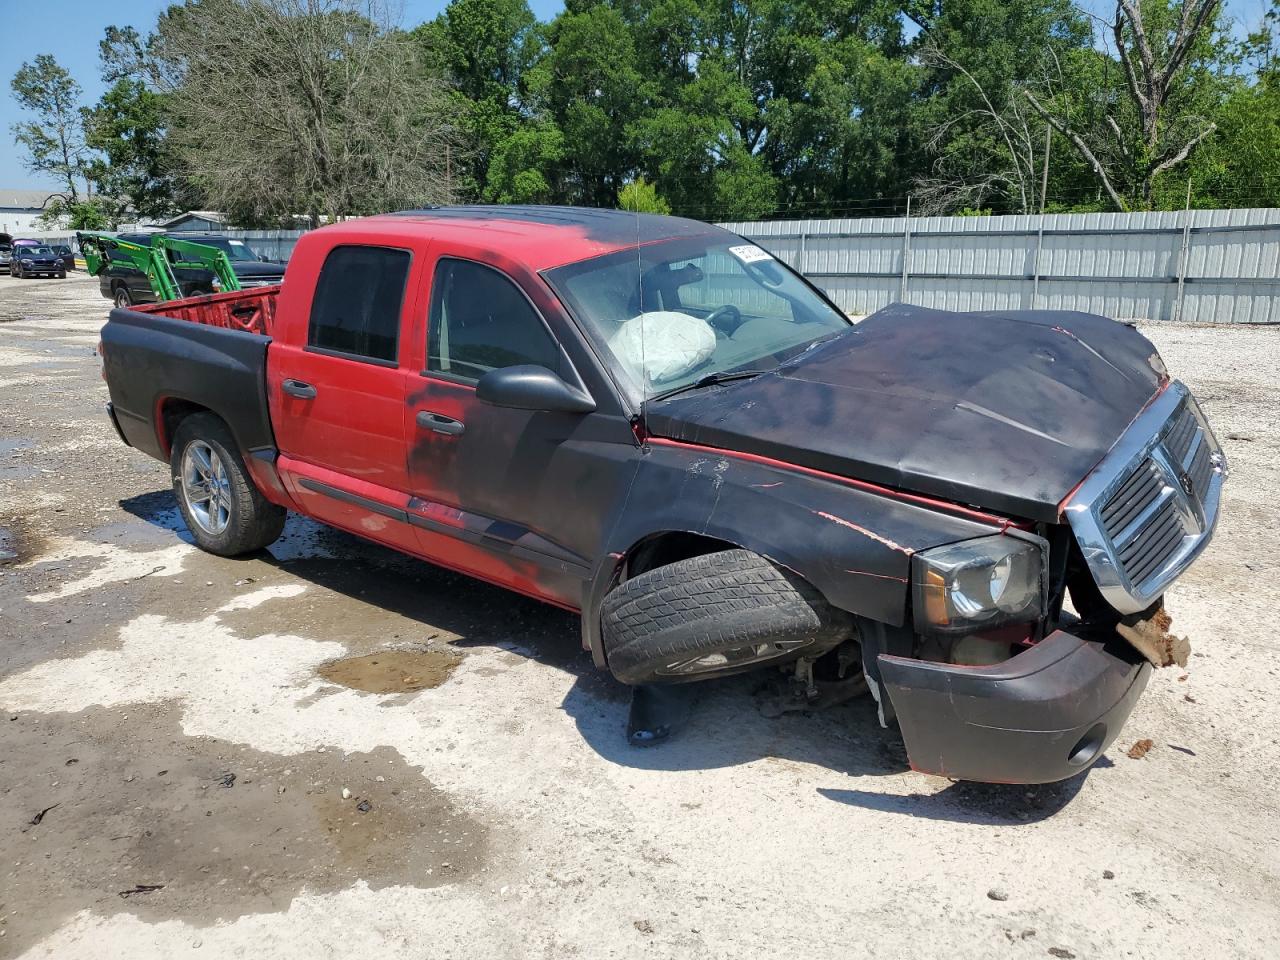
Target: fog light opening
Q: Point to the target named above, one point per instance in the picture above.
(1088, 747)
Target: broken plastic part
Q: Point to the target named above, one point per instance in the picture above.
(1151, 638)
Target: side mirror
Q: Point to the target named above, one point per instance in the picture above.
(532, 387)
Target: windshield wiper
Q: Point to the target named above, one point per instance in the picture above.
(710, 380)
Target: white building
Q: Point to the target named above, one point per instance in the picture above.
(19, 209)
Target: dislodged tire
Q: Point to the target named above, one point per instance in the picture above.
(714, 615)
(222, 508)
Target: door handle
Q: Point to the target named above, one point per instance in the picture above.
(296, 388)
(440, 424)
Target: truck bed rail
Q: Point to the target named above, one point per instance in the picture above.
(253, 311)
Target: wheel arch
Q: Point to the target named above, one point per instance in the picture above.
(170, 412)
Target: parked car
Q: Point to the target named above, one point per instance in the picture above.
(656, 424)
(6, 256)
(33, 261)
(124, 284)
(65, 254)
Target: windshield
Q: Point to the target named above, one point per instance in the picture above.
(234, 249)
(38, 251)
(674, 312)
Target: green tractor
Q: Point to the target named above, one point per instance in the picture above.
(154, 260)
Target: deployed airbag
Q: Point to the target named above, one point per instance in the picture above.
(662, 345)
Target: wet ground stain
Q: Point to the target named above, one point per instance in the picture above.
(392, 671)
(117, 810)
(17, 545)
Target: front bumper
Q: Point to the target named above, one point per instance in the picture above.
(1043, 715)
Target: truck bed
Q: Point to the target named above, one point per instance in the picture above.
(164, 359)
(251, 311)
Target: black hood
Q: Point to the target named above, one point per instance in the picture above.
(1007, 411)
(251, 269)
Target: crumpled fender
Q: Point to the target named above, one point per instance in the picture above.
(849, 539)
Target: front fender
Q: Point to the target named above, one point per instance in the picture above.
(852, 542)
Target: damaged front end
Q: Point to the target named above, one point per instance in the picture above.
(993, 681)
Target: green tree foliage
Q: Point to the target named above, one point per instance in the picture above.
(720, 109)
(640, 196)
(54, 141)
(129, 126)
(485, 47)
(90, 213)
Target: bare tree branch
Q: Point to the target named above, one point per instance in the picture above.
(315, 107)
(1185, 152)
(1081, 146)
(1193, 20)
(1122, 51)
(1120, 142)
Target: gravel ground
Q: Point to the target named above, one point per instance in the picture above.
(331, 750)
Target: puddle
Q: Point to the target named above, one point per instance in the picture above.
(117, 810)
(393, 671)
(16, 545)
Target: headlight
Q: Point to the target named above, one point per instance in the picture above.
(978, 584)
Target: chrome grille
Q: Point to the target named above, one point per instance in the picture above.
(1149, 508)
(1153, 542)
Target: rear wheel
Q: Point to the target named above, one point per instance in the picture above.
(715, 615)
(224, 511)
(122, 298)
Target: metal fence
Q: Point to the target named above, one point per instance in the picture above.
(1201, 266)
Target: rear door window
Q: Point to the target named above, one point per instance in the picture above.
(481, 321)
(356, 310)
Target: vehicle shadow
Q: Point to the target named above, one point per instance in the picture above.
(731, 723)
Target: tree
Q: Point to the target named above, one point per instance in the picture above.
(522, 164)
(987, 144)
(484, 47)
(1240, 164)
(315, 107)
(639, 196)
(92, 213)
(589, 85)
(1164, 51)
(54, 141)
(129, 126)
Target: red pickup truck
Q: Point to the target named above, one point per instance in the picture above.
(655, 423)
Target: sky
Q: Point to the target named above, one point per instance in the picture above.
(71, 29)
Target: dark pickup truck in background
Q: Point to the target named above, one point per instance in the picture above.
(656, 424)
(124, 284)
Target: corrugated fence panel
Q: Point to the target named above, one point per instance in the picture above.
(1124, 265)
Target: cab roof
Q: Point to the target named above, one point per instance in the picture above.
(541, 237)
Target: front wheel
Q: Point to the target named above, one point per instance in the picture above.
(715, 615)
(122, 299)
(16, 271)
(225, 512)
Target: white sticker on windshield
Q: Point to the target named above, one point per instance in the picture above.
(750, 253)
